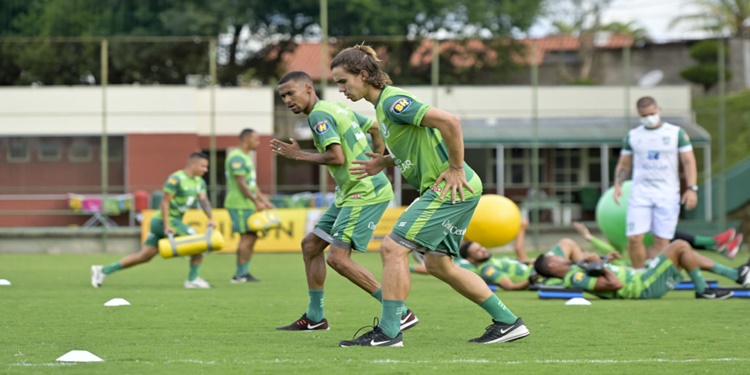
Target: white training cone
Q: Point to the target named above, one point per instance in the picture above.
(117, 302)
(577, 301)
(79, 356)
(4, 282)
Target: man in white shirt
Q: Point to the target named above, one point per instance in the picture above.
(653, 151)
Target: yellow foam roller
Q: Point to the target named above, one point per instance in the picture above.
(191, 245)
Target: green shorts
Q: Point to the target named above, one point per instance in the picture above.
(660, 277)
(156, 231)
(349, 227)
(430, 224)
(239, 219)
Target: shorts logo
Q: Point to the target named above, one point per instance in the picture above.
(400, 105)
(453, 229)
(653, 155)
(578, 276)
(371, 225)
(402, 224)
(321, 127)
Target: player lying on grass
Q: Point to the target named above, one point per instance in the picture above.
(662, 274)
(512, 274)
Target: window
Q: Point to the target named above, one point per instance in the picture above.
(49, 150)
(519, 168)
(80, 150)
(19, 150)
(115, 148)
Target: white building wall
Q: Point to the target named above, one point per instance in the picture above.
(552, 101)
(182, 109)
(133, 109)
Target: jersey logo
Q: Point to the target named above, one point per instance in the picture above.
(400, 105)
(384, 130)
(172, 181)
(665, 140)
(653, 155)
(236, 164)
(687, 137)
(322, 127)
(578, 276)
(490, 271)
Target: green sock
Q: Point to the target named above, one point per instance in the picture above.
(707, 242)
(697, 277)
(723, 270)
(114, 267)
(193, 272)
(495, 307)
(390, 322)
(378, 295)
(242, 269)
(315, 306)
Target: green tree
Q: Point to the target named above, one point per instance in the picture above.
(719, 17)
(706, 72)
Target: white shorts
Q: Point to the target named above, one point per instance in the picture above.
(657, 215)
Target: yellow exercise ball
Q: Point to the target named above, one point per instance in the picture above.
(496, 221)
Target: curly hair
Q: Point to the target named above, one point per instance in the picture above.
(359, 58)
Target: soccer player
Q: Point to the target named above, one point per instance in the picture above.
(242, 200)
(661, 276)
(348, 223)
(426, 145)
(653, 151)
(727, 242)
(181, 190)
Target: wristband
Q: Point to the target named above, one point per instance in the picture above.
(457, 168)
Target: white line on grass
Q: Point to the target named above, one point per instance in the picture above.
(452, 361)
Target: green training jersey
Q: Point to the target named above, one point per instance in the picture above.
(419, 152)
(630, 278)
(495, 269)
(185, 191)
(239, 163)
(463, 263)
(335, 123)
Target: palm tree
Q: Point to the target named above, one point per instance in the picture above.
(720, 17)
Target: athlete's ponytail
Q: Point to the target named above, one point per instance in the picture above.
(359, 58)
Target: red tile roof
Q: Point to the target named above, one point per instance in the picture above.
(307, 56)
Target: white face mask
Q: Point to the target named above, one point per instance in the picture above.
(651, 121)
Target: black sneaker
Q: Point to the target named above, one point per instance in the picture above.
(409, 320)
(714, 294)
(744, 274)
(246, 278)
(501, 332)
(305, 324)
(376, 337)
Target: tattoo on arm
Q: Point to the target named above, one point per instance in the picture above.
(621, 175)
(206, 205)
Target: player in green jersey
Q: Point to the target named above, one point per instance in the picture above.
(181, 190)
(426, 145)
(662, 274)
(242, 200)
(348, 224)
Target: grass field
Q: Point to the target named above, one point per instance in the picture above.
(51, 309)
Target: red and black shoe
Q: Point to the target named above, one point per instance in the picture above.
(305, 324)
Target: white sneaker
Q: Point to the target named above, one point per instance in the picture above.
(97, 276)
(198, 283)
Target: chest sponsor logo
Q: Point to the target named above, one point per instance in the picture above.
(653, 155)
(403, 166)
(400, 105)
(322, 127)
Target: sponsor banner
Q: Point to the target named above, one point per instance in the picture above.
(295, 224)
